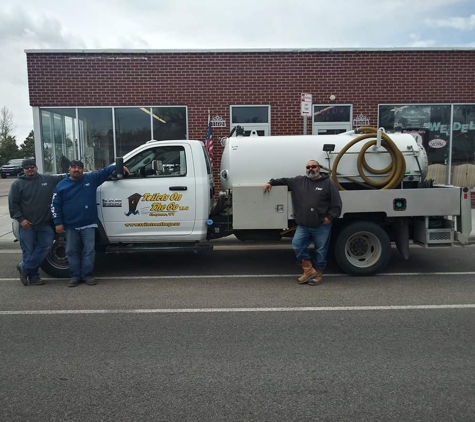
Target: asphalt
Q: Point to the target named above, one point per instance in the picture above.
(8, 239)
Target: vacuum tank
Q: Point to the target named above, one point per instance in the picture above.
(257, 159)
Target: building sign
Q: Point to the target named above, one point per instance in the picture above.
(218, 121)
(437, 143)
(360, 121)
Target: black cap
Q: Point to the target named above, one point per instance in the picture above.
(28, 162)
(77, 163)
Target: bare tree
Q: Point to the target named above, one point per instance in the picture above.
(6, 124)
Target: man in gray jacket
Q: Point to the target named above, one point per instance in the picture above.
(316, 202)
(29, 202)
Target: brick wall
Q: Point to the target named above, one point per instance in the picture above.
(216, 80)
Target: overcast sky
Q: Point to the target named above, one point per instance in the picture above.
(212, 24)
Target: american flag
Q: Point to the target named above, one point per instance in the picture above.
(209, 142)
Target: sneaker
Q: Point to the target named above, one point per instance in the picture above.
(36, 280)
(90, 281)
(23, 276)
(73, 282)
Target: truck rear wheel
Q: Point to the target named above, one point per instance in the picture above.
(56, 263)
(362, 248)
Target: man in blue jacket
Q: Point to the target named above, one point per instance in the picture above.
(75, 213)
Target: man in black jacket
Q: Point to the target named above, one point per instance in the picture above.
(29, 202)
(316, 202)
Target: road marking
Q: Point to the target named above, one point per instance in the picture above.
(231, 276)
(231, 310)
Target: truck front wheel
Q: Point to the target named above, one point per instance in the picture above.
(56, 263)
(362, 248)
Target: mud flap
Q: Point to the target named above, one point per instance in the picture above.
(401, 233)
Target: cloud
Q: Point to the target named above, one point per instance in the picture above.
(461, 24)
(416, 42)
(214, 24)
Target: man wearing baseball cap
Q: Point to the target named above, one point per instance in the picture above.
(75, 213)
(29, 201)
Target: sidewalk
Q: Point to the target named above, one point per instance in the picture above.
(7, 239)
(6, 235)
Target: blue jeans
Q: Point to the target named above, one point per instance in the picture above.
(35, 245)
(320, 235)
(80, 252)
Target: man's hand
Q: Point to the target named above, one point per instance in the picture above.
(59, 229)
(267, 187)
(26, 224)
(126, 171)
(326, 221)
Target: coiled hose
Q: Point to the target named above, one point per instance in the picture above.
(396, 169)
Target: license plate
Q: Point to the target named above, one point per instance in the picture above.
(8, 174)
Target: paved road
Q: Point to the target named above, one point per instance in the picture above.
(230, 336)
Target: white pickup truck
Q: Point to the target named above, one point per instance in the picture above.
(168, 201)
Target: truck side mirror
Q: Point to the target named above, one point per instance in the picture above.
(119, 167)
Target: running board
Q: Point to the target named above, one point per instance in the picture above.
(156, 247)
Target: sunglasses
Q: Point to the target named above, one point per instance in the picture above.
(313, 166)
(29, 167)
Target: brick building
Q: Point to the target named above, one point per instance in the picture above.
(98, 104)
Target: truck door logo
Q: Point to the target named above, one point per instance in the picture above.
(133, 202)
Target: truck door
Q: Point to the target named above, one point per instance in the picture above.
(157, 199)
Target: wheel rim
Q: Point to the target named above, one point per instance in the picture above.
(363, 249)
(57, 256)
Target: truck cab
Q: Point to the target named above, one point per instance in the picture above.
(166, 197)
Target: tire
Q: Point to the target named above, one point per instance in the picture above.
(4, 176)
(362, 248)
(56, 263)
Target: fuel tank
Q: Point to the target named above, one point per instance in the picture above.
(257, 159)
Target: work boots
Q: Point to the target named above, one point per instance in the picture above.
(316, 279)
(308, 271)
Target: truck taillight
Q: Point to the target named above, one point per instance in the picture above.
(465, 192)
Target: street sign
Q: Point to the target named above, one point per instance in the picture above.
(305, 104)
(305, 109)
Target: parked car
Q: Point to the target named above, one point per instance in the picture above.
(12, 168)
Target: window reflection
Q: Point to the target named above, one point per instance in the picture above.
(431, 122)
(166, 161)
(169, 123)
(58, 134)
(331, 114)
(132, 129)
(250, 114)
(463, 145)
(96, 143)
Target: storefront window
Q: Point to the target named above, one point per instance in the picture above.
(331, 113)
(132, 128)
(58, 135)
(463, 146)
(96, 141)
(169, 123)
(431, 122)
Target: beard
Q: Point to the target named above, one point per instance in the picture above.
(313, 175)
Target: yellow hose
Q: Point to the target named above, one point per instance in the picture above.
(396, 169)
